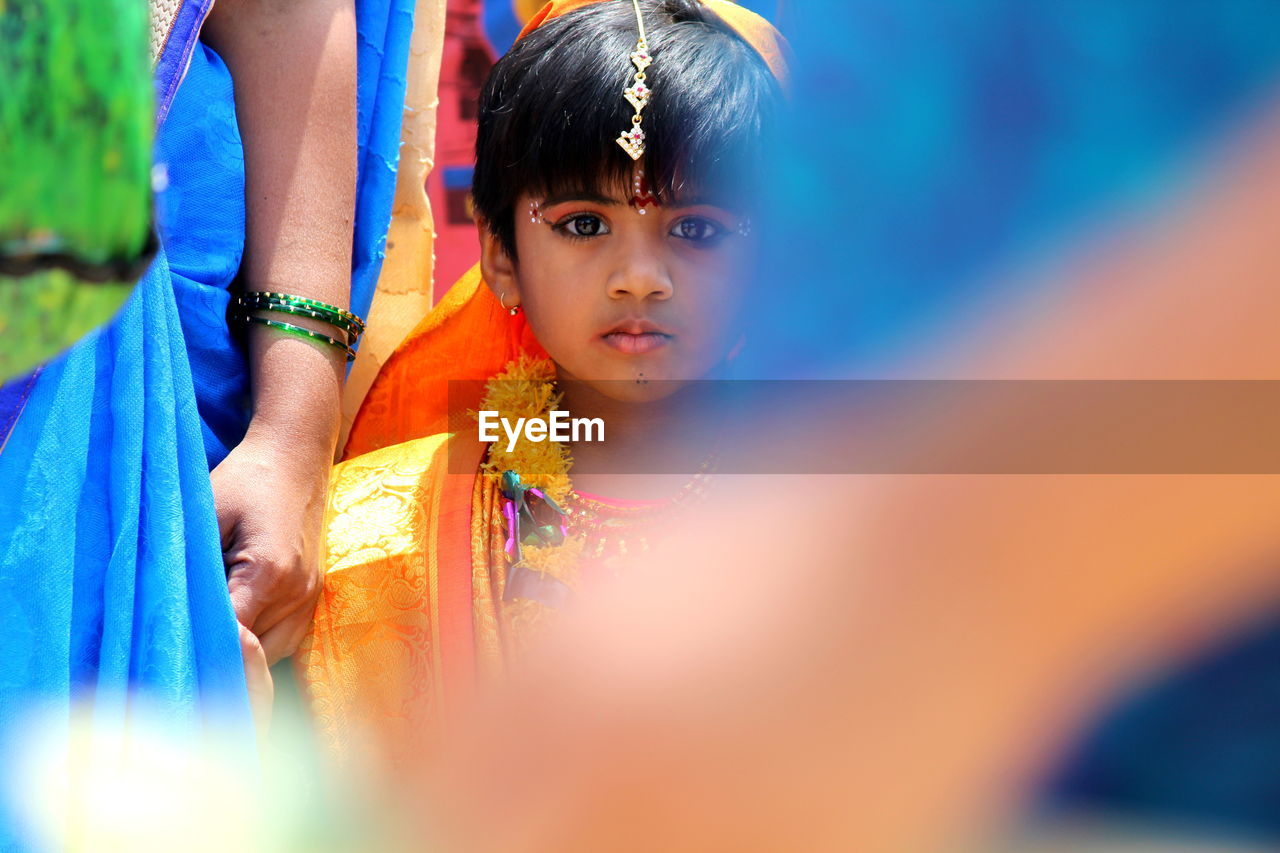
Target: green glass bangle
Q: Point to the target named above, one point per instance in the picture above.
(301, 332)
(306, 302)
(260, 303)
(246, 305)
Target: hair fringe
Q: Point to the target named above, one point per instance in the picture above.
(552, 107)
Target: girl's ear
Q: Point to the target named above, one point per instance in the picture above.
(497, 268)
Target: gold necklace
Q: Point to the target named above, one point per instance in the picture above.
(625, 529)
(597, 530)
(691, 491)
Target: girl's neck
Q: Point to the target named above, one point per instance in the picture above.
(650, 449)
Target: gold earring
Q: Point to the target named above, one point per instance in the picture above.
(513, 310)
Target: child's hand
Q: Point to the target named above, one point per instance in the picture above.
(257, 677)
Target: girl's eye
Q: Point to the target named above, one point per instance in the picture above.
(699, 230)
(582, 225)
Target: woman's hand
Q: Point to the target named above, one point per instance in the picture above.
(270, 497)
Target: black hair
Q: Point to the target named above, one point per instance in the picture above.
(552, 108)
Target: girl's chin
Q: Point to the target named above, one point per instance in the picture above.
(639, 378)
(637, 390)
(635, 386)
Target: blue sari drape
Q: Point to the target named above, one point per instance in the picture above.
(385, 28)
(112, 585)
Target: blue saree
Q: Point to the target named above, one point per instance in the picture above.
(112, 586)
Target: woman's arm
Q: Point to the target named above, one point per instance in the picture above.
(294, 67)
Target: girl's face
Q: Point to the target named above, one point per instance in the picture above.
(621, 299)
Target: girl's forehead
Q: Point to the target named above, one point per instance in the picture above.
(611, 190)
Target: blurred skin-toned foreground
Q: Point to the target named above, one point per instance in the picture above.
(893, 683)
(888, 663)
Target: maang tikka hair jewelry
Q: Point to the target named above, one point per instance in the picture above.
(637, 94)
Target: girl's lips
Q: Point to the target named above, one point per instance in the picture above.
(636, 343)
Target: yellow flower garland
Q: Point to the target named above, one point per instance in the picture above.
(526, 389)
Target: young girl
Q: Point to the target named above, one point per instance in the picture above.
(613, 190)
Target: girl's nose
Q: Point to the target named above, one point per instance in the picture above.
(641, 274)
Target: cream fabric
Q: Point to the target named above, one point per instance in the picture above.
(403, 293)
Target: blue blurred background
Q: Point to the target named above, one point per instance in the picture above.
(936, 144)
